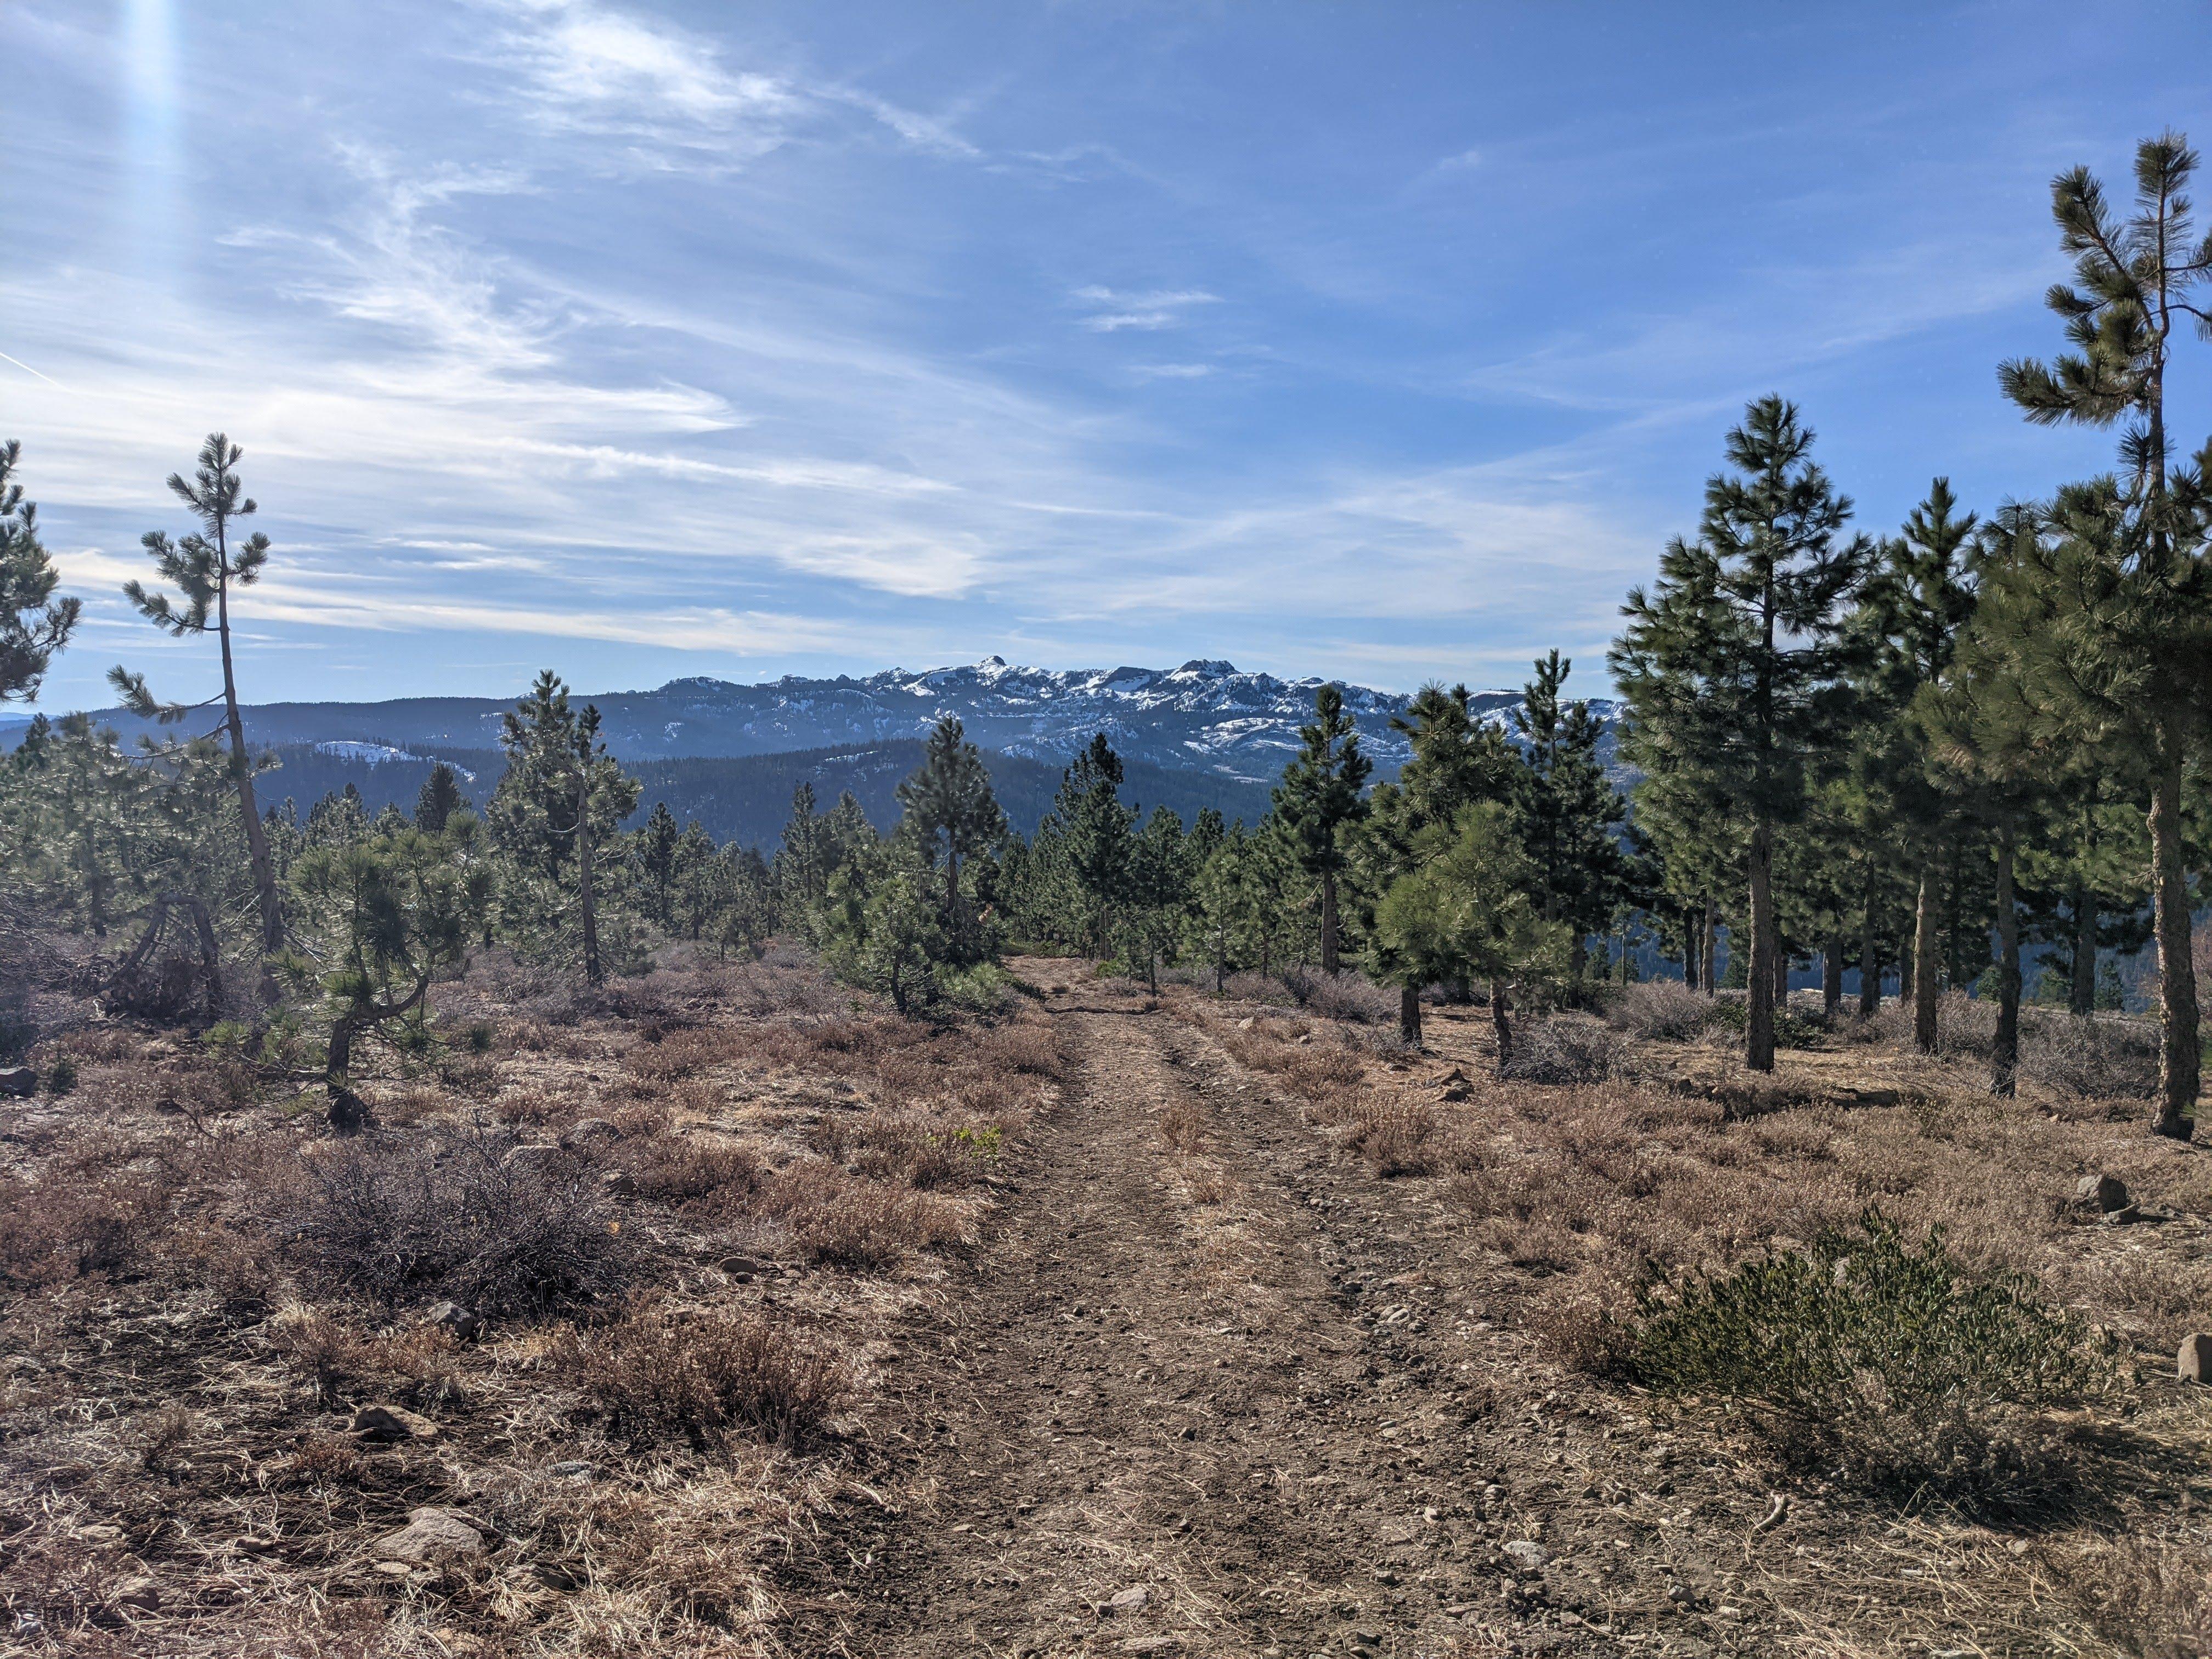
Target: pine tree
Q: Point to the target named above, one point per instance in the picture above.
(204, 567)
(1466, 910)
(562, 799)
(392, 910)
(1319, 800)
(34, 624)
(440, 798)
(657, 839)
(1916, 603)
(2125, 656)
(1732, 665)
(1084, 845)
(1158, 893)
(1569, 813)
(949, 803)
(802, 860)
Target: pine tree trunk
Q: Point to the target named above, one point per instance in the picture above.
(1711, 949)
(1329, 924)
(1759, 977)
(1409, 1015)
(2082, 992)
(2004, 1063)
(1832, 979)
(2179, 1058)
(587, 900)
(347, 1112)
(1501, 1009)
(257, 837)
(1690, 976)
(1780, 957)
(1577, 967)
(1925, 947)
(1869, 955)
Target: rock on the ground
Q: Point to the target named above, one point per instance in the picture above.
(18, 1082)
(389, 1423)
(463, 1322)
(431, 1534)
(2194, 1363)
(584, 1130)
(2103, 1193)
(142, 1593)
(1125, 1602)
(1527, 1554)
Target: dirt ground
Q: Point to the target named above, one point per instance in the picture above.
(1213, 1387)
(1162, 1324)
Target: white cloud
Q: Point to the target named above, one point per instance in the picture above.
(1172, 371)
(666, 97)
(1145, 310)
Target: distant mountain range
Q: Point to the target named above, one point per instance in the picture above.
(1205, 734)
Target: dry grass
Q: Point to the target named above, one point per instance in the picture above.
(199, 1292)
(1669, 1160)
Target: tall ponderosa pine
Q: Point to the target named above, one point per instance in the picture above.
(1569, 813)
(1918, 601)
(204, 567)
(2125, 658)
(1319, 798)
(950, 805)
(1732, 665)
(34, 624)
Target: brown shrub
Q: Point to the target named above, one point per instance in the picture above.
(1659, 1010)
(1391, 1134)
(72, 1222)
(847, 1222)
(417, 1218)
(682, 1172)
(1564, 1048)
(683, 1054)
(656, 1373)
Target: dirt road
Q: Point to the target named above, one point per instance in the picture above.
(1213, 1398)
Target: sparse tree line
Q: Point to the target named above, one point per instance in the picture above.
(1906, 757)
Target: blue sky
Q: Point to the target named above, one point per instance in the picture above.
(1386, 342)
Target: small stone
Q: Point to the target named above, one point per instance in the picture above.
(430, 1535)
(1527, 1554)
(2194, 1363)
(2101, 1192)
(1724, 1611)
(387, 1425)
(619, 1182)
(584, 1130)
(574, 1469)
(1245, 1023)
(141, 1593)
(452, 1317)
(1127, 1601)
(1493, 1493)
(19, 1082)
(740, 1268)
(2121, 1217)
(1682, 1595)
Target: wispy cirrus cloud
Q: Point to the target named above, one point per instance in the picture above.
(670, 97)
(1144, 309)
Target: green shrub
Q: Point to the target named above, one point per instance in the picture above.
(1888, 1363)
(61, 1076)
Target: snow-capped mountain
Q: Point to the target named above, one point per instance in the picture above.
(1204, 716)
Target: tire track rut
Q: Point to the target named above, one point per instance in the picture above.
(1220, 1387)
